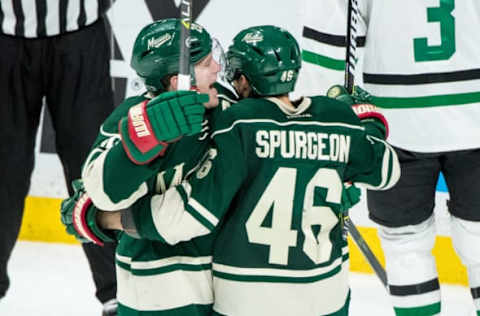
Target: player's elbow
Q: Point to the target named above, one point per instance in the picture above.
(184, 231)
(172, 221)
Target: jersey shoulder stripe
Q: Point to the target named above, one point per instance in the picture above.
(322, 111)
(289, 123)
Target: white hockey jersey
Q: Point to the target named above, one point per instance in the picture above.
(421, 63)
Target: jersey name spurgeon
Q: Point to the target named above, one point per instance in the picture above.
(302, 145)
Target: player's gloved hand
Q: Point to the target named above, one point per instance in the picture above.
(78, 214)
(350, 196)
(361, 103)
(151, 125)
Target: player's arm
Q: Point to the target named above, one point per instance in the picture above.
(81, 218)
(195, 207)
(132, 140)
(373, 162)
(360, 101)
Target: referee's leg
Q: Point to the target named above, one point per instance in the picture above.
(21, 95)
(80, 98)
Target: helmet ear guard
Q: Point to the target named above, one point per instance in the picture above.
(156, 51)
(268, 56)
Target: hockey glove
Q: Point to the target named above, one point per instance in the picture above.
(361, 102)
(151, 125)
(78, 214)
(350, 196)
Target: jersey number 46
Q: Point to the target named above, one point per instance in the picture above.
(280, 194)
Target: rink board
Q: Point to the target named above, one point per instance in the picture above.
(41, 222)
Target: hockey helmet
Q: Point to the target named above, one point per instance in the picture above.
(156, 51)
(268, 56)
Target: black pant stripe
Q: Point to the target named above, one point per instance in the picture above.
(475, 292)
(415, 289)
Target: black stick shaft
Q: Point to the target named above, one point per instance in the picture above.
(350, 60)
(366, 251)
(351, 44)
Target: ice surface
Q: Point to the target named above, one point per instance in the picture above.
(54, 280)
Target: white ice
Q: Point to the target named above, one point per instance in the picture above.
(54, 280)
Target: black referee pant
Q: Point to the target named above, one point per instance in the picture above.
(72, 72)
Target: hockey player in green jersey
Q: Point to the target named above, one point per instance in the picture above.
(425, 79)
(153, 278)
(271, 186)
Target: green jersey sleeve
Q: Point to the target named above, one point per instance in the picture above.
(196, 207)
(146, 216)
(111, 179)
(374, 164)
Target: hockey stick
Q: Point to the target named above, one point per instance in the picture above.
(351, 44)
(351, 47)
(365, 249)
(184, 82)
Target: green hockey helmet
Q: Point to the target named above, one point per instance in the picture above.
(268, 56)
(156, 51)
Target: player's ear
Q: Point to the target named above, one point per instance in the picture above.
(242, 79)
(173, 83)
(245, 84)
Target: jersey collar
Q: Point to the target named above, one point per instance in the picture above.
(303, 104)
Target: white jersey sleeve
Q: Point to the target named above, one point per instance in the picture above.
(323, 45)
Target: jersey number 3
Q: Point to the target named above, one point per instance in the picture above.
(446, 49)
(280, 194)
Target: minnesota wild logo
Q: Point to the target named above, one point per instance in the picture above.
(159, 41)
(252, 38)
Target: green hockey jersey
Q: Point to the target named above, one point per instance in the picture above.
(270, 190)
(114, 182)
(153, 278)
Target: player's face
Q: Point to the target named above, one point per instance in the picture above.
(205, 76)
